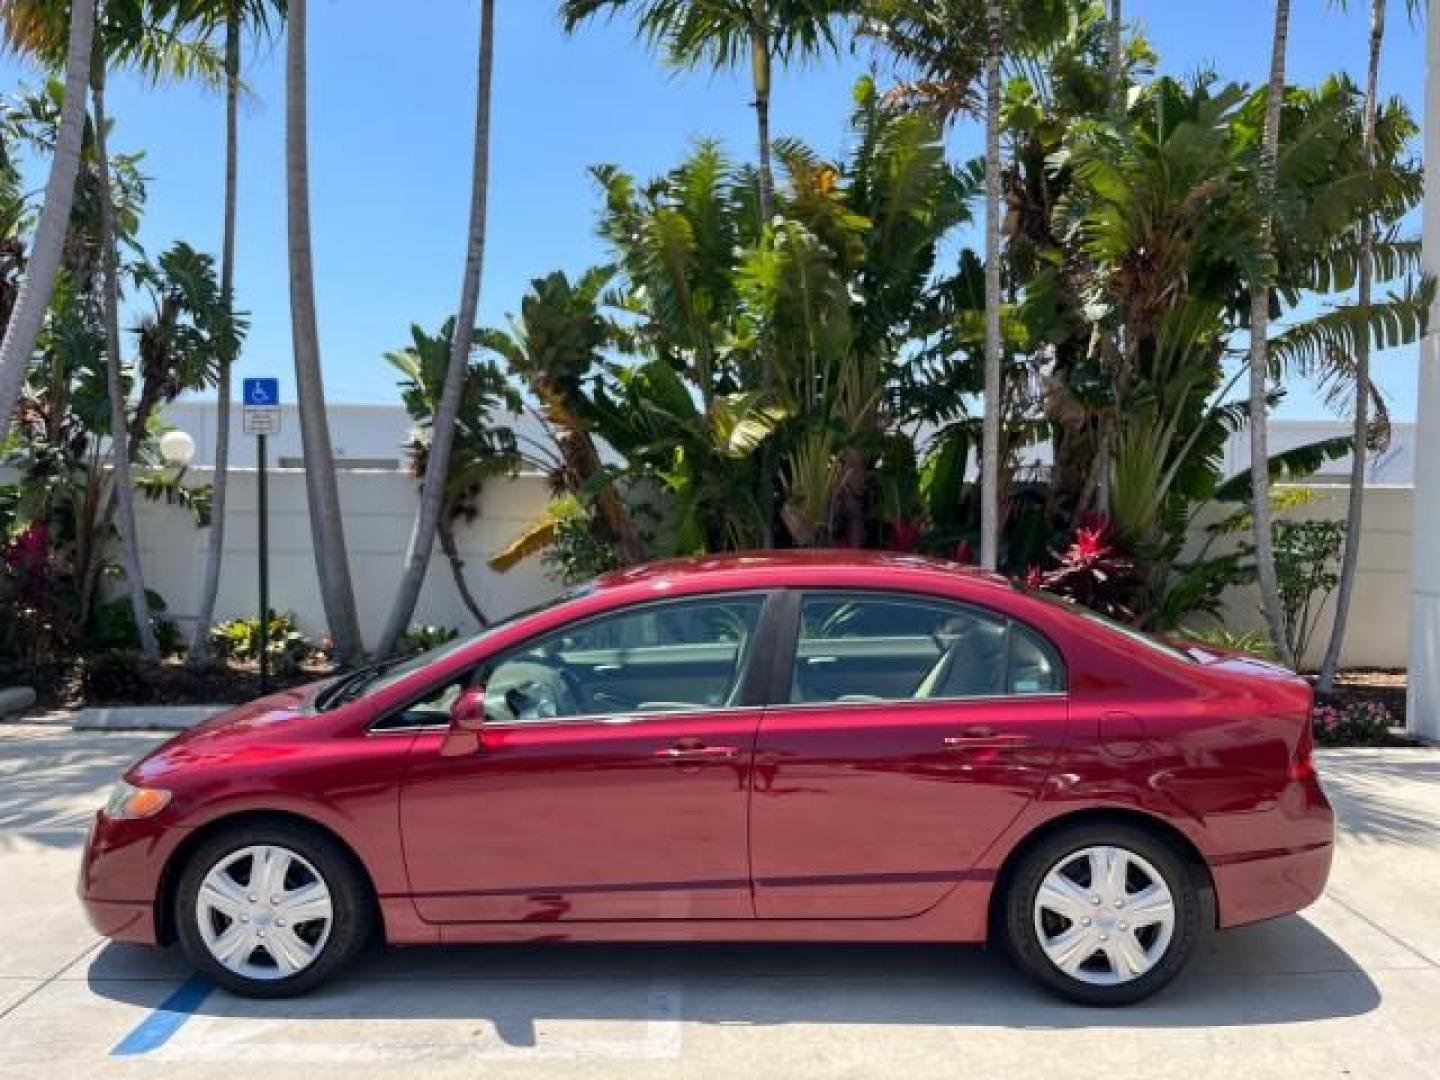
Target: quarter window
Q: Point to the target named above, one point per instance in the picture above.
(858, 647)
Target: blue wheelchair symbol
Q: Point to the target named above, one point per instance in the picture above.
(261, 392)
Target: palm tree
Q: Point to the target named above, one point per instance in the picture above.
(432, 490)
(1355, 509)
(127, 31)
(1259, 343)
(721, 32)
(33, 299)
(990, 433)
(124, 491)
(332, 563)
(234, 14)
(480, 449)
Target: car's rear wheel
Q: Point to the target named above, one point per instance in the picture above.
(1102, 914)
(272, 909)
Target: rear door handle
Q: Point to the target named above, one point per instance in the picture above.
(983, 735)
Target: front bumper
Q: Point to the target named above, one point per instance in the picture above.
(120, 877)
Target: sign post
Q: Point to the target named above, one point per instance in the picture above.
(261, 412)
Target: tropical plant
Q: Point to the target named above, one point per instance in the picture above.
(332, 562)
(480, 448)
(240, 640)
(27, 314)
(555, 348)
(1355, 508)
(231, 18)
(990, 437)
(1259, 365)
(721, 34)
(432, 490)
(1306, 556)
(422, 638)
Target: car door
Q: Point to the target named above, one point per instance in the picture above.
(612, 778)
(914, 732)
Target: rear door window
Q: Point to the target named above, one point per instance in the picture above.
(858, 647)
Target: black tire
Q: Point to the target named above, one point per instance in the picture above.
(353, 910)
(1023, 940)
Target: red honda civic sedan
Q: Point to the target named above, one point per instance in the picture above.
(815, 747)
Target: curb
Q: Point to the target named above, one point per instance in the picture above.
(145, 717)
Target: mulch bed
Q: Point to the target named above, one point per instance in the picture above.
(1386, 686)
(123, 680)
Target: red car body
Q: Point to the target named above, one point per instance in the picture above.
(853, 821)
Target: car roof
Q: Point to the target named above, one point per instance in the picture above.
(777, 567)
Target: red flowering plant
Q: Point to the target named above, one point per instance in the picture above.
(29, 591)
(1092, 571)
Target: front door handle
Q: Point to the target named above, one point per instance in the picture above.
(688, 752)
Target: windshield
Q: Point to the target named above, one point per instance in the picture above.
(376, 677)
(1137, 636)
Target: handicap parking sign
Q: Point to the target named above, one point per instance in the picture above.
(261, 393)
(260, 406)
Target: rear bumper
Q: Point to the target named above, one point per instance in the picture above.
(1288, 873)
(1268, 885)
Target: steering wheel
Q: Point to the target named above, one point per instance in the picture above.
(538, 691)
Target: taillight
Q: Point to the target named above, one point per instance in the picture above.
(1303, 766)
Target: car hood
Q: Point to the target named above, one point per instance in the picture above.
(242, 725)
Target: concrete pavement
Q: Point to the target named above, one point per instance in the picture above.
(1350, 988)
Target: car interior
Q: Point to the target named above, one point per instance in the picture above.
(691, 654)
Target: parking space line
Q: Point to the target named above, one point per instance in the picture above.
(165, 1019)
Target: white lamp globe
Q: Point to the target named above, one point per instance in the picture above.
(177, 448)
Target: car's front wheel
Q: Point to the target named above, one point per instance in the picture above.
(272, 909)
(1102, 914)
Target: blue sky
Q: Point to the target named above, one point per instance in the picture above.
(391, 112)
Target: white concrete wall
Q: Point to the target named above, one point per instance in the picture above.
(1377, 633)
(379, 509)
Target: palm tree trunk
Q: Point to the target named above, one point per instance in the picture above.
(1355, 511)
(199, 652)
(451, 550)
(1259, 348)
(33, 298)
(331, 560)
(760, 72)
(990, 430)
(437, 464)
(1113, 32)
(124, 493)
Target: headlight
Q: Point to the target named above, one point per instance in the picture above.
(128, 802)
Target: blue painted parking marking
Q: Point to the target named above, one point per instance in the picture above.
(165, 1020)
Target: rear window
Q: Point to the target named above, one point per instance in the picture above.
(1139, 637)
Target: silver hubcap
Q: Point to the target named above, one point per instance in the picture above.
(264, 912)
(1104, 915)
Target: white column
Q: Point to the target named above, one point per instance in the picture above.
(1423, 703)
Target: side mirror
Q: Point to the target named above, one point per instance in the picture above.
(467, 720)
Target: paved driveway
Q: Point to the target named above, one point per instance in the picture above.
(1350, 988)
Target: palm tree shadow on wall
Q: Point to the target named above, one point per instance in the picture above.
(1282, 972)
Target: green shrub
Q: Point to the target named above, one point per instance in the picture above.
(1359, 723)
(115, 675)
(1254, 642)
(421, 638)
(112, 627)
(239, 640)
